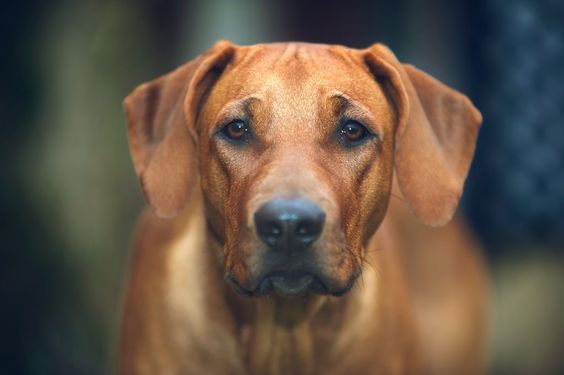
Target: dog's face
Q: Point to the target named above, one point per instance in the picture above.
(295, 166)
(296, 146)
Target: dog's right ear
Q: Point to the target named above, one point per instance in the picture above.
(161, 120)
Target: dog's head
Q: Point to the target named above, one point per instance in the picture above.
(295, 146)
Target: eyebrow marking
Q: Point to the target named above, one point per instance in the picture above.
(235, 108)
(346, 106)
(240, 103)
(346, 103)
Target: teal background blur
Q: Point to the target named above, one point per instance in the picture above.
(69, 197)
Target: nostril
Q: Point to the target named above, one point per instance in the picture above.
(308, 228)
(271, 229)
(275, 230)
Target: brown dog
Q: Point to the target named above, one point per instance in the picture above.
(271, 168)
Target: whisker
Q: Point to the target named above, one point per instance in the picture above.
(369, 264)
(374, 250)
(360, 281)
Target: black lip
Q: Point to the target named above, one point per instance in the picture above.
(238, 288)
(348, 287)
(291, 284)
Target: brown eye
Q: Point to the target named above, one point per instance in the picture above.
(236, 130)
(353, 133)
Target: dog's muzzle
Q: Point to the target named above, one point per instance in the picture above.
(289, 227)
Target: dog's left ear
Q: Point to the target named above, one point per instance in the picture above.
(161, 121)
(435, 136)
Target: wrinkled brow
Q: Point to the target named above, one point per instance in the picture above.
(345, 106)
(236, 109)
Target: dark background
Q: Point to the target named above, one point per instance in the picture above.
(69, 197)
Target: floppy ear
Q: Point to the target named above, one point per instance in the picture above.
(435, 136)
(161, 121)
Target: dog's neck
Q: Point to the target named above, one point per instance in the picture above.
(284, 336)
(281, 336)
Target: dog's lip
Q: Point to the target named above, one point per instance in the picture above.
(238, 287)
(289, 284)
(348, 287)
(285, 284)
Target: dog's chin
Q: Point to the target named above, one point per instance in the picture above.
(294, 284)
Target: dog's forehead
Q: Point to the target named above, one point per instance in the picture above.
(300, 65)
(299, 79)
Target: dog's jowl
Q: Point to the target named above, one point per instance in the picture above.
(300, 217)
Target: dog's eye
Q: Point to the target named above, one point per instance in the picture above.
(236, 130)
(353, 133)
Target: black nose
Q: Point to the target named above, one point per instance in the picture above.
(289, 224)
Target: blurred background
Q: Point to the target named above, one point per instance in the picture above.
(69, 197)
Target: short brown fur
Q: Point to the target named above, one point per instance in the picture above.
(418, 304)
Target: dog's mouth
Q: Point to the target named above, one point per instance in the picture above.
(291, 284)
